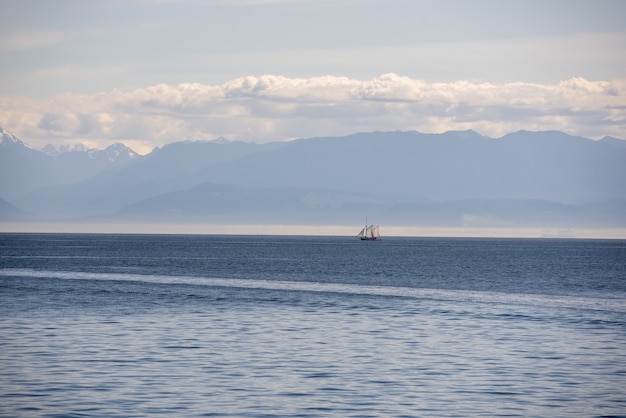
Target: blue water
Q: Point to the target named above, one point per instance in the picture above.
(147, 325)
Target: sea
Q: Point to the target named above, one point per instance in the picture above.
(115, 325)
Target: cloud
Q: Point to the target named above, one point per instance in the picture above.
(22, 39)
(275, 108)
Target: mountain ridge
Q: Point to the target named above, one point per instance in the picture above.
(457, 177)
(24, 170)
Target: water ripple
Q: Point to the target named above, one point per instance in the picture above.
(608, 304)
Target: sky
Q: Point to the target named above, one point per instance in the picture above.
(150, 72)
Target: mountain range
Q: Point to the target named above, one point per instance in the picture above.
(545, 179)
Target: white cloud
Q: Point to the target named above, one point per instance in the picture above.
(271, 108)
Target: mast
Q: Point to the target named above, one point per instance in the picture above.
(369, 232)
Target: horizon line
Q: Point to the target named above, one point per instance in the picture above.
(311, 230)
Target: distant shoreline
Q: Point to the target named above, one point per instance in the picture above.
(315, 230)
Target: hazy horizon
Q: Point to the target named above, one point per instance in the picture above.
(457, 180)
(312, 230)
(151, 73)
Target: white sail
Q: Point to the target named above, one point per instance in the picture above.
(369, 232)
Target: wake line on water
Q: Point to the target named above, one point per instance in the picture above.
(602, 304)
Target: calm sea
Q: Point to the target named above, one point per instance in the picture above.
(149, 325)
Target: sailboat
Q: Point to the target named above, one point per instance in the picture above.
(369, 232)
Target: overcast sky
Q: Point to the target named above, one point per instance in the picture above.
(149, 72)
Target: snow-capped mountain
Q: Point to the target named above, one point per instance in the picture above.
(118, 153)
(7, 139)
(24, 169)
(115, 153)
(56, 150)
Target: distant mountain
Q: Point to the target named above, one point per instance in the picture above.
(615, 142)
(116, 153)
(9, 212)
(167, 169)
(215, 203)
(449, 166)
(402, 178)
(8, 140)
(24, 170)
